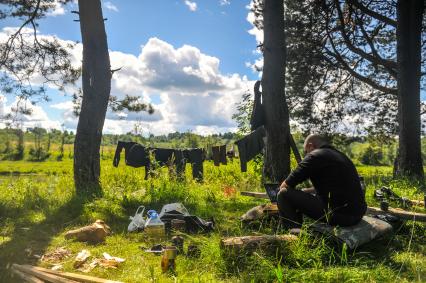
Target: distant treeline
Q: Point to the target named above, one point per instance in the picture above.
(38, 144)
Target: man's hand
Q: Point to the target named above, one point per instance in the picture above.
(283, 186)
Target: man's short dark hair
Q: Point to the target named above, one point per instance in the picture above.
(316, 140)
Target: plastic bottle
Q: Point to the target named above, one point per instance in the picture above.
(154, 227)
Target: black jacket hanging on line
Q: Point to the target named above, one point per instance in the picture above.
(250, 146)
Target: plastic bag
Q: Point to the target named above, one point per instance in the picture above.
(137, 222)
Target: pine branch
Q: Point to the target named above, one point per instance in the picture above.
(372, 13)
(389, 65)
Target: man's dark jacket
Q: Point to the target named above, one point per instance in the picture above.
(335, 179)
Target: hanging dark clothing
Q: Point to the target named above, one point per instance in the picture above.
(195, 156)
(250, 146)
(257, 118)
(135, 155)
(222, 154)
(219, 155)
(216, 155)
(165, 156)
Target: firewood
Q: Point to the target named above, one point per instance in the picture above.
(27, 269)
(253, 242)
(402, 214)
(255, 194)
(72, 276)
(26, 277)
(93, 233)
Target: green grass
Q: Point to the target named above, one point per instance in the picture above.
(36, 210)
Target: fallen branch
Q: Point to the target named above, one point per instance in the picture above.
(253, 242)
(255, 194)
(402, 214)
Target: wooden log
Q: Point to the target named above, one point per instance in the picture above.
(74, 276)
(265, 196)
(26, 277)
(28, 269)
(255, 194)
(252, 242)
(402, 214)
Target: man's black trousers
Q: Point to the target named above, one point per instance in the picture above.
(293, 204)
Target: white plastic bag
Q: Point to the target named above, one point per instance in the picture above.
(174, 207)
(137, 221)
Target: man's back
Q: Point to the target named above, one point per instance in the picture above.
(335, 179)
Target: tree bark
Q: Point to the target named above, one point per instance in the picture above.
(408, 32)
(277, 149)
(96, 81)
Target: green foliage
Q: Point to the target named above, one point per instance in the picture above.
(372, 156)
(36, 210)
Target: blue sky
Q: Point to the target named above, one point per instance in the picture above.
(171, 51)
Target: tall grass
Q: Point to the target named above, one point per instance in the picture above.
(36, 210)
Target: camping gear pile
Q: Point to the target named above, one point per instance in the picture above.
(173, 216)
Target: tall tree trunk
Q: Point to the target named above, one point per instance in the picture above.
(277, 152)
(408, 32)
(96, 79)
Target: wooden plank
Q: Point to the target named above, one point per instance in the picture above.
(28, 269)
(252, 242)
(75, 276)
(26, 277)
(254, 194)
(406, 215)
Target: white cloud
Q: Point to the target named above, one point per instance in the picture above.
(191, 5)
(192, 92)
(57, 10)
(224, 2)
(38, 117)
(185, 86)
(257, 33)
(110, 6)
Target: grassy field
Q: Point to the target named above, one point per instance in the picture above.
(38, 205)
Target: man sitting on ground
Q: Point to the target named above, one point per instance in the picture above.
(336, 198)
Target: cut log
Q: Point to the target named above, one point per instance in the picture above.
(73, 276)
(260, 212)
(252, 242)
(27, 269)
(26, 277)
(402, 214)
(255, 194)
